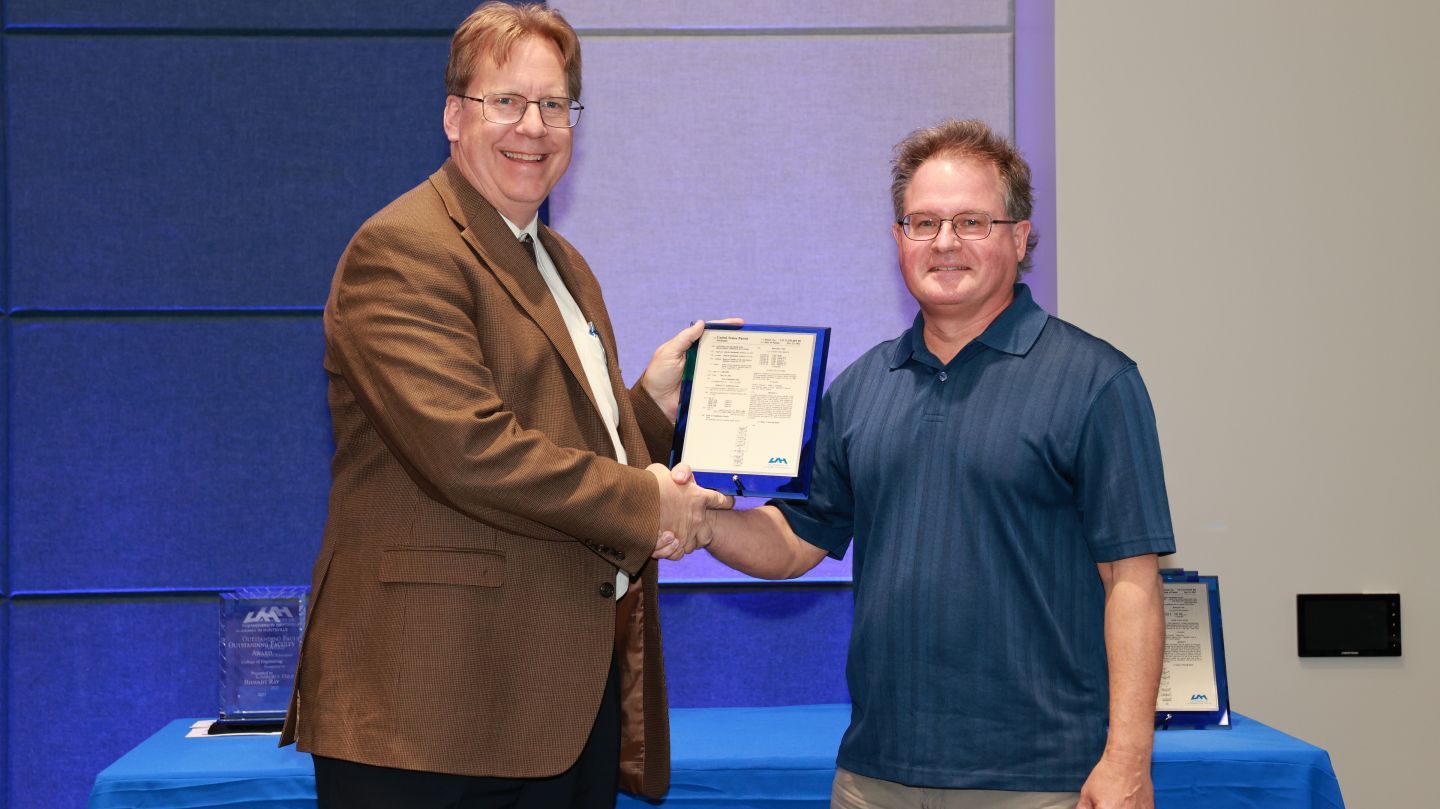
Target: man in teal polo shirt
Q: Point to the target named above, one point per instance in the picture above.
(999, 471)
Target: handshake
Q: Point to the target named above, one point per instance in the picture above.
(685, 511)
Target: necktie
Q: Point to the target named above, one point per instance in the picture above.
(529, 245)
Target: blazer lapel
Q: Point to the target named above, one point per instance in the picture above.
(501, 253)
(585, 289)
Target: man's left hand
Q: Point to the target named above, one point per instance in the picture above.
(1115, 784)
(663, 375)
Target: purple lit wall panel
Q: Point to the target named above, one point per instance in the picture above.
(187, 452)
(1035, 134)
(652, 14)
(774, 202)
(765, 193)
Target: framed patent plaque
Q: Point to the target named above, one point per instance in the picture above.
(749, 403)
(259, 645)
(1194, 691)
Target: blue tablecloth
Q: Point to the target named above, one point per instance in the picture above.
(725, 758)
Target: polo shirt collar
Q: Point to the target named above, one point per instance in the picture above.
(1018, 327)
(1014, 331)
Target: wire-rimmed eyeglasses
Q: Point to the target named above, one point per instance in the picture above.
(508, 108)
(972, 227)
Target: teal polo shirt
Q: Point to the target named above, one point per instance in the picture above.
(980, 494)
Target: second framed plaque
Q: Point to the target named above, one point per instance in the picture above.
(749, 405)
(1194, 687)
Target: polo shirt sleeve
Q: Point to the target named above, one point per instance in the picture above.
(1119, 482)
(827, 519)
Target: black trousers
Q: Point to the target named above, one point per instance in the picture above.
(588, 784)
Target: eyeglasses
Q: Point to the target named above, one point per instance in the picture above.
(508, 108)
(972, 227)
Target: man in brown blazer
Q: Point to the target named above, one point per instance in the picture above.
(483, 624)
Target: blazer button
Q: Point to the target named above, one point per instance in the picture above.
(607, 590)
(620, 555)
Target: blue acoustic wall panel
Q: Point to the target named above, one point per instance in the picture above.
(4, 185)
(786, 14)
(6, 427)
(161, 171)
(6, 430)
(7, 778)
(181, 451)
(766, 645)
(91, 677)
(185, 14)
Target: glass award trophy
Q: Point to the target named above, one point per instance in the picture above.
(1194, 691)
(749, 404)
(259, 646)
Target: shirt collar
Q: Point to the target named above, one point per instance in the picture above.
(532, 229)
(1014, 331)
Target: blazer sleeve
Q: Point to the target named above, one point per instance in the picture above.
(398, 330)
(655, 426)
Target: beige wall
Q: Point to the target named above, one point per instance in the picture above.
(1248, 197)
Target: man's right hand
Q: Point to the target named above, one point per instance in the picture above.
(683, 506)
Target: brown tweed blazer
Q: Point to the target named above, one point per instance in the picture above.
(463, 615)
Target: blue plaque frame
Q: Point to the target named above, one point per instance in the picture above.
(780, 487)
(1218, 715)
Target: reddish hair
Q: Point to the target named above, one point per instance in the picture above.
(493, 29)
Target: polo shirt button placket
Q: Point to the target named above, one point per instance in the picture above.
(942, 376)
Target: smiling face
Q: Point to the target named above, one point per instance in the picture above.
(949, 277)
(514, 166)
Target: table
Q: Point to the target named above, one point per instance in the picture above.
(724, 758)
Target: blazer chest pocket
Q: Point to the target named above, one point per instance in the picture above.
(460, 566)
